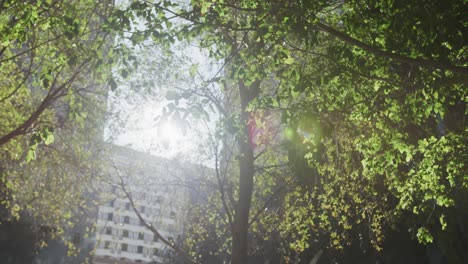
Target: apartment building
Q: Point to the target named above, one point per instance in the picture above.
(159, 190)
(121, 235)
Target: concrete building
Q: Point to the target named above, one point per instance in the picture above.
(159, 189)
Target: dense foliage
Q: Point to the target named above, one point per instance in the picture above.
(52, 66)
(341, 123)
(372, 97)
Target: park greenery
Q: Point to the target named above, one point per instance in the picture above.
(53, 62)
(340, 124)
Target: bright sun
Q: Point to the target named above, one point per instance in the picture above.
(170, 132)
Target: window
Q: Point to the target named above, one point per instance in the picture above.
(155, 238)
(173, 215)
(76, 238)
(140, 249)
(155, 252)
(111, 203)
(125, 233)
(124, 247)
(141, 236)
(127, 206)
(126, 219)
(107, 244)
(110, 216)
(141, 223)
(143, 209)
(108, 231)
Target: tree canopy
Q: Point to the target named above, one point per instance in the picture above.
(53, 63)
(340, 123)
(372, 99)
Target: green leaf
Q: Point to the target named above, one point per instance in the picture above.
(289, 60)
(424, 236)
(49, 139)
(31, 154)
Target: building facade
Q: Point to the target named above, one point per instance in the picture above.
(159, 190)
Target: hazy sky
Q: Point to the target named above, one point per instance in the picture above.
(133, 119)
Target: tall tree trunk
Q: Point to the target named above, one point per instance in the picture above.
(241, 218)
(240, 228)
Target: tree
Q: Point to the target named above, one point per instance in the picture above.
(393, 106)
(53, 63)
(375, 105)
(360, 94)
(47, 50)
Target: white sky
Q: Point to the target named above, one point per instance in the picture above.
(137, 126)
(132, 123)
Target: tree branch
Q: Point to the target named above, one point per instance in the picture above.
(378, 52)
(221, 189)
(270, 199)
(52, 95)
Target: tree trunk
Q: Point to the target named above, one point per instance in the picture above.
(241, 218)
(240, 228)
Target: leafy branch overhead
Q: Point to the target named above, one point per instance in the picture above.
(361, 89)
(340, 125)
(53, 60)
